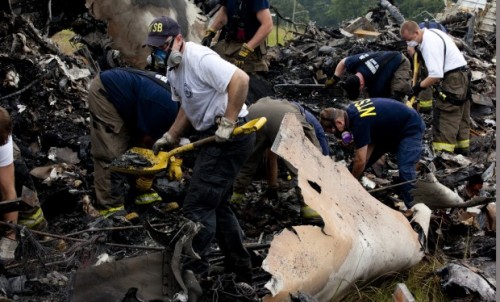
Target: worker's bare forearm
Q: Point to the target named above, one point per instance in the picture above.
(180, 124)
(237, 94)
(265, 28)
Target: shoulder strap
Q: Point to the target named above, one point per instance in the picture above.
(444, 43)
(158, 78)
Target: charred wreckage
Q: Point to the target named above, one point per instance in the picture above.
(362, 234)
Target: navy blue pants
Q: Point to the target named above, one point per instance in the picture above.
(408, 154)
(207, 202)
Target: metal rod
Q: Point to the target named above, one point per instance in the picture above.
(392, 186)
(300, 85)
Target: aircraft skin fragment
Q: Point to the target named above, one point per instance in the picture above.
(362, 238)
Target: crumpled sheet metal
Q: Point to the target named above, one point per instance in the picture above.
(430, 191)
(456, 275)
(362, 238)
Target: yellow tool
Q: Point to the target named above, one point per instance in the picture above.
(160, 162)
(416, 68)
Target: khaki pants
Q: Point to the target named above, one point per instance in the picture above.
(255, 62)
(425, 97)
(401, 80)
(274, 111)
(109, 137)
(451, 123)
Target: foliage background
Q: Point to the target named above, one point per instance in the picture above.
(331, 13)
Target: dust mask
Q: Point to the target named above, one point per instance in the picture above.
(412, 43)
(174, 58)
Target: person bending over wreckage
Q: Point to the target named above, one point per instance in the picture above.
(15, 180)
(448, 68)
(274, 110)
(377, 126)
(384, 74)
(212, 94)
(424, 97)
(128, 107)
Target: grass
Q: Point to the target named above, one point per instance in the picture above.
(420, 280)
(282, 36)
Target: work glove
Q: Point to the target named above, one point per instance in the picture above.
(237, 198)
(148, 197)
(209, 35)
(7, 249)
(240, 58)
(330, 82)
(224, 130)
(308, 213)
(174, 169)
(163, 142)
(416, 89)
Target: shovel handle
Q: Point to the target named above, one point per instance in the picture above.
(161, 160)
(247, 128)
(415, 77)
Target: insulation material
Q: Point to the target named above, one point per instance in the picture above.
(361, 239)
(135, 17)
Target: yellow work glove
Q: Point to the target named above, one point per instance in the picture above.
(308, 212)
(209, 35)
(330, 82)
(174, 169)
(237, 198)
(240, 58)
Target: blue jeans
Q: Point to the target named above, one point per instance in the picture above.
(207, 202)
(408, 154)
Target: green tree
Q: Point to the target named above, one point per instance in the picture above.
(340, 10)
(418, 10)
(291, 9)
(333, 12)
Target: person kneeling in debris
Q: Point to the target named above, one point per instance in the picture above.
(128, 107)
(384, 74)
(274, 110)
(377, 126)
(12, 165)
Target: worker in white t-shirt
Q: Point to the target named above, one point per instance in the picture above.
(447, 69)
(8, 243)
(212, 93)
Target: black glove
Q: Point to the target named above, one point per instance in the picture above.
(416, 89)
(330, 82)
(209, 35)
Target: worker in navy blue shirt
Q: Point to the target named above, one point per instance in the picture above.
(128, 107)
(433, 24)
(245, 25)
(378, 126)
(382, 73)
